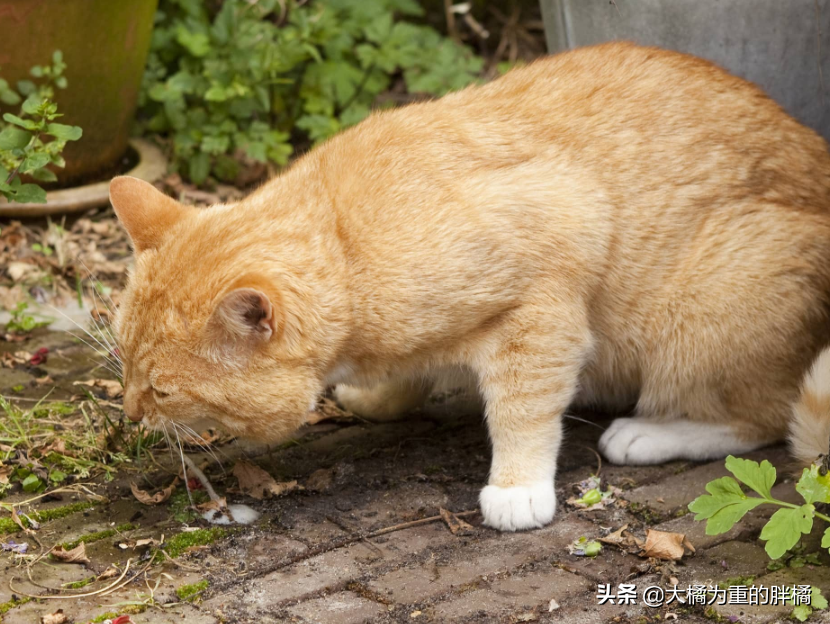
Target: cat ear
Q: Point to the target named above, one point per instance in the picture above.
(144, 211)
(244, 316)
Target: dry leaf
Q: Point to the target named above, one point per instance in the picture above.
(58, 617)
(665, 545)
(455, 524)
(10, 360)
(5, 473)
(158, 497)
(110, 572)
(76, 555)
(112, 389)
(320, 480)
(133, 544)
(258, 484)
(19, 270)
(622, 538)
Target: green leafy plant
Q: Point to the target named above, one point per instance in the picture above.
(21, 322)
(252, 80)
(32, 141)
(726, 504)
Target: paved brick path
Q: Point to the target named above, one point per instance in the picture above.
(305, 561)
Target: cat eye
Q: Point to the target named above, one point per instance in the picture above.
(160, 395)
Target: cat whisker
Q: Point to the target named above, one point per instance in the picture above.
(203, 444)
(184, 468)
(112, 359)
(103, 327)
(582, 420)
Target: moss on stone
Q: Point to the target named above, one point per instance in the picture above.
(177, 544)
(7, 525)
(190, 592)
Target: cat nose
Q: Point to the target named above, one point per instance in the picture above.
(132, 409)
(133, 414)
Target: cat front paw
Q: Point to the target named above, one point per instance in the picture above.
(518, 508)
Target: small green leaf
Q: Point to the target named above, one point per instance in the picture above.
(591, 497)
(32, 104)
(12, 138)
(64, 132)
(725, 505)
(817, 601)
(802, 612)
(760, 478)
(26, 124)
(592, 548)
(44, 175)
(813, 487)
(31, 483)
(825, 540)
(9, 97)
(57, 476)
(34, 161)
(26, 87)
(199, 168)
(785, 528)
(30, 194)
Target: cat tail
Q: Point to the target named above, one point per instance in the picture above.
(809, 434)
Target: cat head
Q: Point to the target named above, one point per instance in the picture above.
(211, 329)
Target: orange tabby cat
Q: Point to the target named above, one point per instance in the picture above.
(613, 225)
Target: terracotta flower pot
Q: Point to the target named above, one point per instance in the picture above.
(105, 45)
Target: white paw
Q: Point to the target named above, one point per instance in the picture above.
(633, 441)
(518, 508)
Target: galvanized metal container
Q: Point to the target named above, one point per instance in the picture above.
(781, 45)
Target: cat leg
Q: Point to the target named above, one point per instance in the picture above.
(528, 376)
(388, 400)
(639, 441)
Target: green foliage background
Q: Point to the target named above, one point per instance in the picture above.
(245, 80)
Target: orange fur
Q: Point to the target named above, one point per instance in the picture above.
(615, 224)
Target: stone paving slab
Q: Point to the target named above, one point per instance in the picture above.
(305, 561)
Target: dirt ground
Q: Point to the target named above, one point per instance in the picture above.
(311, 558)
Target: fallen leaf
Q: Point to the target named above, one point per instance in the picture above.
(622, 538)
(19, 270)
(133, 544)
(455, 524)
(320, 480)
(111, 388)
(552, 605)
(258, 484)
(76, 555)
(110, 572)
(665, 545)
(16, 519)
(154, 499)
(5, 473)
(10, 360)
(591, 497)
(58, 617)
(583, 547)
